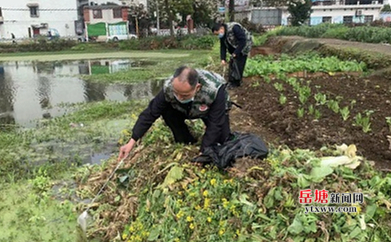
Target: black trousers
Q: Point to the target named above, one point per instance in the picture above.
(241, 61)
(175, 120)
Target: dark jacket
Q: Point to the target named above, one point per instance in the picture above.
(216, 115)
(236, 39)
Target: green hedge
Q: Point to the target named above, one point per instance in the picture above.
(188, 42)
(368, 34)
(38, 45)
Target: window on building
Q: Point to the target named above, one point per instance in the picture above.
(347, 19)
(97, 13)
(326, 19)
(34, 11)
(368, 18)
(117, 13)
(1, 14)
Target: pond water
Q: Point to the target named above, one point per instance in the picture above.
(33, 90)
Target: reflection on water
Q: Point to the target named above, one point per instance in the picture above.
(33, 90)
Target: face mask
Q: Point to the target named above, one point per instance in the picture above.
(184, 101)
(221, 35)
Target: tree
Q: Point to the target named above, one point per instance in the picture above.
(300, 11)
(386, 8)
(202, 11)
(137, 14)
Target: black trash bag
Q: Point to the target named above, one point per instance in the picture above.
(242, 145)
(234, 73)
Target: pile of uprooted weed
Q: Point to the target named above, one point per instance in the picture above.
(160, 196)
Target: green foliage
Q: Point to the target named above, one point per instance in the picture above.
(187, 42)
(205, 42)
(41, 182)
(259, 205)
(259, 40)
(300, 11)
(304, 94)
(372, 60)
(311, 62)
(38, 46)
(345, 113)
(363, 121)
(388, 121)
(333, 31)
(282, 99)
(320, 98)
(278, 86)
(63, 141)
(368, 34)
(300, 112)
(386, 8)
(333, 105)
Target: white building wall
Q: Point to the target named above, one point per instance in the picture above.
(337, 12)
(59, 14)
(119, 2)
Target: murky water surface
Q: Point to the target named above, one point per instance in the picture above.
(33, 90)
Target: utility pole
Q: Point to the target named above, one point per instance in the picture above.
(231, 10)
(157, 16)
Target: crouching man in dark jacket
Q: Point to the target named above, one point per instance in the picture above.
(188, 94)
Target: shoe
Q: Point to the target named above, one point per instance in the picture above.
(231, 86)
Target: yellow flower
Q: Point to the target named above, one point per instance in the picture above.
(180, 214)
(225, 203)
(206, 203)
(213, 182)
(221, 231)
(131, 228)
(177, 240)
(124, 236)
(198, 207)
(189, 219)
(191, 226)
(203, 171)
(209, 219)
(232, 208)
(238, 232)
(180, 193)
(205, 193)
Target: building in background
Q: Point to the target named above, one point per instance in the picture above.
(31, 18)
(106, 22)
(323, 11)
(345, 11)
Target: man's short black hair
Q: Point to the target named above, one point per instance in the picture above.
(185, 73)
(216, 27)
